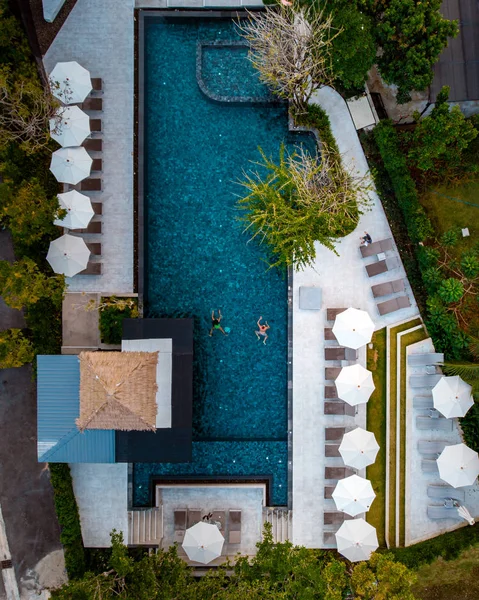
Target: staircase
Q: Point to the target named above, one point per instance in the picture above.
(281, 520)
(145, 526)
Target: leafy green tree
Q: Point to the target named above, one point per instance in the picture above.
(382, 578)
(410, 34)
(439, 140)
(22, 283)
(451, 290)
(15, 349)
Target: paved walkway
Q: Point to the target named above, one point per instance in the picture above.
(100, 36)
(344, 283)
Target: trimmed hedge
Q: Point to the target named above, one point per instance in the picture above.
(317, 118)
(418, 224)
(69, 519)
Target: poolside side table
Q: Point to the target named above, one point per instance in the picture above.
(310, 298)
(381, 256)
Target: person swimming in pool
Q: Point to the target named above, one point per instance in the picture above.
(216, 323)
(262, 329)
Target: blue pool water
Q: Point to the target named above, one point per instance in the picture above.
(198, 258)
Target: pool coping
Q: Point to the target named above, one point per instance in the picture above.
(142, 15)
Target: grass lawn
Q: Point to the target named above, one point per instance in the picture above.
(376, 422)
(406, 340)
(450, 580)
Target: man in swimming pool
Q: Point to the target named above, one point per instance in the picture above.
(262, 329)
(216, 323)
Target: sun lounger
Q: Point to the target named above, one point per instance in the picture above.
(329, 335)
(444, 491)
(431, 447)
(331, 450)
(340, 353)
(330, 391)
(390, 287)
(376, 247)
(418, 381)
(219, 516)
(97, 207)
(339, 408)
(385, 308)
(441, 512)
(337, 472)
(335, 518)
(442, 424)
(329, 538)
(180, 525)
(97, 164)
(429, 465)
(93, 268)
(194, 516)
(310, 298)
(94, 248)
(328, 491)
(95, 125)
(97, 84)
(93, 144)
(423, 402)
(332, 313)
(93, 227)
(234, 527)
(94, 104)
(381, 266)
(89, 185)
(430, 358)
(334, 434)
(330, 373)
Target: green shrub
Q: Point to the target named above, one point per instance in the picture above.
(44, 320)
(112, 314)
(69, 519)
(16, 350)
(444, 330)
(317, 118)
(450, 238)
(470, 427)
(451, 290)
(432, 277)
(470, 265)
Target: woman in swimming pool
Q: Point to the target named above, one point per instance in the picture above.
(262, 329)
(216, 323)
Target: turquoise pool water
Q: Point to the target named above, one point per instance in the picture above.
(198, 258)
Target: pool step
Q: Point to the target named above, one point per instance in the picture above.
(145, 527)
(281, 520)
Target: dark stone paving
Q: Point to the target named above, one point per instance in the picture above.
(26, 495)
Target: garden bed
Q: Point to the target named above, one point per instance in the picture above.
(113, 311)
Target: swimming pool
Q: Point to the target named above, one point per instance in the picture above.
(196, 254)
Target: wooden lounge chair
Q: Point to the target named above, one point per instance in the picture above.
(393, 305)
(330, 391)
(95, 125)
(417, 381)
(421, 360)
(376, 247)
(93, 144)
(194, 516)
(93, 268)
(234, 526)
(441, 424)
(90, 185)
(339, 408)
(330, 373)
(340, 353)
(219, 516)
(97, 165)
(94, 104)
(390, 287)
(332, 313)
(334, 434)
(329, 335)
(331, 450)
(381, 266)
(337, 472)
(180, 525)
(429, 465)
(310, 298)
(431, 447)
(335, 518)
(95, 248)
(93, 227)
(444, 491)
(97, 84)
(329, 538)
(423, 402)
(97, 207)
(328, 491)
(442, 512)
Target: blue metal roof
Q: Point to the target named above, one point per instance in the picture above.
(58, 402)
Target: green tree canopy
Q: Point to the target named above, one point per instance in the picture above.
(15, 349)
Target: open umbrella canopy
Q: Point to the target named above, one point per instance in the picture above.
(359, 448)
(452, 396)
(353, 495)
(356, 540)
(68, 255)
(70, 126)
(79, 210)
(355, 384)
(71, 165)
(353, 328)
(70, 82)
(458, 465)
(203, 542)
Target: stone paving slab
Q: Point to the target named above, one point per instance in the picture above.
(79, 325)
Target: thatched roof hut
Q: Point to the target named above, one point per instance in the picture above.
(118, 390)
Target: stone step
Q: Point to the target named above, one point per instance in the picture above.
(145, 527)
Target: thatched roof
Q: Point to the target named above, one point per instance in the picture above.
(118, 390)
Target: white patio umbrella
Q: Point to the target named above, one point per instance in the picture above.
(353, 328)
(354, 384)
(70, 126)
(79, 210)
(458, 465)
(353, 495)
(356, 540)
(71, 165)
(70, 82)
(452, 396)
(203, 542)
(359, 448)
(68, 255)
